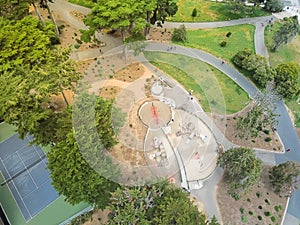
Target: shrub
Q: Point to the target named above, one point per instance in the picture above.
(194, 13)
(258, 194)
(268, 139)
(248, 200)
(244, 219)
(267, 213)
(223, 43)
(266, 131)
(260, 207)
(267, 201)
(250, 213)
(259, 217)
(273, 218)
(179, 34)
(228, 34)
(242, 210)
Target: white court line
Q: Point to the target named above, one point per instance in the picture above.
(13, 183)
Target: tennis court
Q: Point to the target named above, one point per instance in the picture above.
(24, 170)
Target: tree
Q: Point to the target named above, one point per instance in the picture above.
(160, 203)
(175, 207)
(194, 13)
(14, 10)
(31, 71)
(287, 79)
(256, 64)
(283, 177)
(114, 15)
(164, 8)
(285, 33)
(240, 56)
(73, 177)
(274, 5)
(261, 115)
(179, 34)
(242, 168)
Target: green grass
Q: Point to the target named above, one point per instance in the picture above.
(209, 40)
(6, 130)
(213, 11)
(85, 3)
(215, 91)
(286, 53)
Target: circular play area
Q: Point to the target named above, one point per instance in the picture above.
(155, 114)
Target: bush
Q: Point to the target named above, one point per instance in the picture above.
(179, 34)
(258, 194)
(242, 210)
(266, 131)
(267, 213)
(194, 13)
(248, 200)
(267, 201)
(223, 43)
(244, 219)
(273, 218)
(259, 217)
(268, 139)
(260, 207)
(228, 34)
(250, 213)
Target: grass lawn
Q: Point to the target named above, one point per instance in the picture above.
(213, 11)
(6, 130)
(286, 53)
(85, 3)
(242, 36)
(215, 91)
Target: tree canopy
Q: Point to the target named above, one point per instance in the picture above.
(157, 204)
(31, 71)
(287, 79)
(74, 178)
(261, 115)
(126, 15)
(242, 168)
(283, 177)
(274, 5)
(256, 65)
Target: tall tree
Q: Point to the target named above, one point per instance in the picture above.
(158, 204)
(283, 177)
(73, 177)
(114, 15)
(287, 79)
(261, 115)
(242, 168)
(31, 71)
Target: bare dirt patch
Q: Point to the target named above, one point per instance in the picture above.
(228, 124)
(130, 73)
(258, 206)
(160, 34)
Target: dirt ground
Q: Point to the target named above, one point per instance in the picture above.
(258, 202)
(228, 125)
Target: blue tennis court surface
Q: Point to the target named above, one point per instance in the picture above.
(24, 170)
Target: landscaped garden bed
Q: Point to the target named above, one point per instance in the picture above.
(259, 206)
